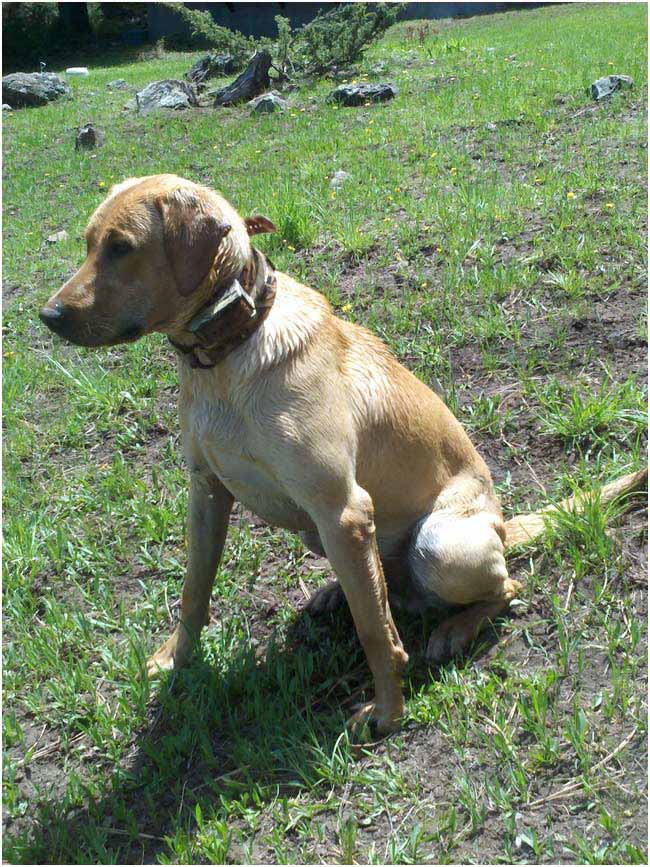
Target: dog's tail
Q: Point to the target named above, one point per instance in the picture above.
(523, 529)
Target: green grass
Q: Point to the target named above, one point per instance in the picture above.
(493, 234)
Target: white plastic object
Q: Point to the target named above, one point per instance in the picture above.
(77, 70)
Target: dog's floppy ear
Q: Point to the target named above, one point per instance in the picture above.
(192, 236)
(258, 224)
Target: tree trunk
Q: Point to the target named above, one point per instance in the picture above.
(112, 11)
(74, 17)
(253, 81)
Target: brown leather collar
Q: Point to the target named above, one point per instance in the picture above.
(232, 315)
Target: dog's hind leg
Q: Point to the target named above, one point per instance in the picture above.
(457, 558)
(330, 597)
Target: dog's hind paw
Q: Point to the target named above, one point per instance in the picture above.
(454, 636)
(326, 599)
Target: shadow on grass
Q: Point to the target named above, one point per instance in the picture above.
(235, 726)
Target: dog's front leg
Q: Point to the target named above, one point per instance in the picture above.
(207, 524)
(348, 536)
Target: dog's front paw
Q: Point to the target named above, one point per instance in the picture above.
(326, 599)
(174, 653)
(372, 721)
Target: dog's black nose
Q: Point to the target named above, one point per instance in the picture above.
(53, 317)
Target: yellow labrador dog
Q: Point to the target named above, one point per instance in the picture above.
(306, 419)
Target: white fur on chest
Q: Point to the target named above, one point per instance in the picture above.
(225, 411)
(232, 447)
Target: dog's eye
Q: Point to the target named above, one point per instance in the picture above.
(119, 248)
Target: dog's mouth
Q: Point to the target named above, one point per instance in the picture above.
(130, 334)
(65, 326)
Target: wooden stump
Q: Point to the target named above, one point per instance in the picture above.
(253, 81)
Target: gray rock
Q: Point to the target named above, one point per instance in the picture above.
(88, 137)
(168, 93)
(211, 66)
(358, 94)
(57, 237)
(118, 84)
(607, 85)
(338, 179)
(267, 103)
(21, 89)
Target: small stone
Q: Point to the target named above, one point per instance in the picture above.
(88, 137)
(267, 103)
(609, 84)
(359, 94)
(57, 237)
(118, 84)
(339, 178)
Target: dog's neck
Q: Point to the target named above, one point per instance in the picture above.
(232, 314)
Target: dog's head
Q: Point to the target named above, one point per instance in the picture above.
(156, 249)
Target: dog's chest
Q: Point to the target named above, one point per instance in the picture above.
(236, 455)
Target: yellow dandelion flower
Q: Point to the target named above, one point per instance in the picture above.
(570, 195)
(433, 155)
(609, 205)
(346, 308)
(101, 184)
(538, 180)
